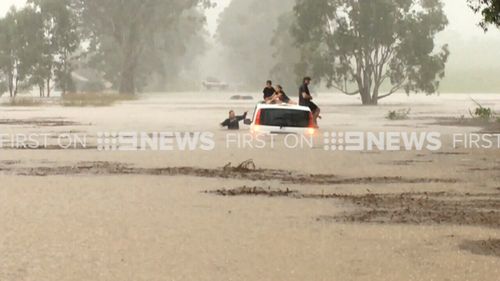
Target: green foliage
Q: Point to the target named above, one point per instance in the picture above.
(489, 10)
(482, 113)
(371, 44)
(23, 102)
(36, 44)
(287, 55)
(60, 40)
(129, 40)
(3, 86)
(19, 46)
(246, 32)
(92, 99)
(402, 114)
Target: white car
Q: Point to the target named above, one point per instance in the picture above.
(282, 119)
(214, 84)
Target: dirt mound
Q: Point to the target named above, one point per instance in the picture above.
(94, 168)
(441, 208)
(254, 191)
(10, 162)
(405, 208)
(39, 122)
(490, 127)
(409, 162)
(246, 171)
(487, 247)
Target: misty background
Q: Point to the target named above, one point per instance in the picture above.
(238, 50)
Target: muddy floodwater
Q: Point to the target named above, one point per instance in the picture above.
(74, 207)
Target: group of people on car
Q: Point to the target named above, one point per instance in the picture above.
(276, 95)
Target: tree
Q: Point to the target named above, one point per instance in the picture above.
(19, 47)
(172, 65)
(489, 9)
(8, 50)
(59, 39)
(3, 86)
(36, 45)
(364, 46)
(246, 30)
(287, 54)
(123, 33)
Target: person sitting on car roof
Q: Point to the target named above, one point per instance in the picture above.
(269, 91)
(306, 99)
(281, 96)
(233, 122)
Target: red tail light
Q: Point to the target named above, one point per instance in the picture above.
(257, 117)
(311, 121)
(312, 127)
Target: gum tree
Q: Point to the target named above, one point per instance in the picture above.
(489, 9)
(246, 30)
(9, 58)
(20, 45)
(60, 39)
(373, 48)
(124, 33)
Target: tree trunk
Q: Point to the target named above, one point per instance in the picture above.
(127, 81)
(375, 96)
(48, 87)
(11, 85)
(15, 86)
(66, 76)
(40, 88)
(366, 97)
(63, 85)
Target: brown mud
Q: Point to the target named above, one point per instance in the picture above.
(482, 209)
(489, 247)
(40, 122)
(245, 171)
(487, 127)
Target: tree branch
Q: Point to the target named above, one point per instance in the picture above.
(344, 90)
(393, 90)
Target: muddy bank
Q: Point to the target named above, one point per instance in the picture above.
(246, 171)
(408, 208)
(487, 127)
(255, 191)
(40, 122)
(482, 209)
(486, 247)
(49, 147)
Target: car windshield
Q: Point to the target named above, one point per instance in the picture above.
(284, 118)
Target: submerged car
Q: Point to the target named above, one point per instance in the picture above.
(282, 119)
(214, 84)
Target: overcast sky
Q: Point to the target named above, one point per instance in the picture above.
(5, 5)
(462, 19)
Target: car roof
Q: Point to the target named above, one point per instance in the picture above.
(282, 106)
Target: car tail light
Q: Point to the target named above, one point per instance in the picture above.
(312, 127)
(311, 121)
(257, 117)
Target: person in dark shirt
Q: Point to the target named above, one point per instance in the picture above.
(305, 99)
(269, 91)
(233, 122)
